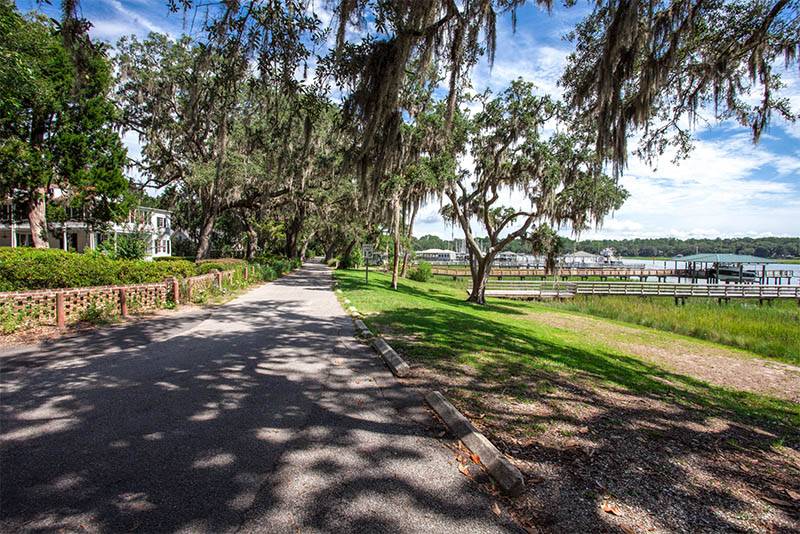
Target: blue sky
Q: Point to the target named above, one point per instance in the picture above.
(728, 186)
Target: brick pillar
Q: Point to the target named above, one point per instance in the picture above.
(246, 268)
(123, 302)
(219, 280)
(60, 316)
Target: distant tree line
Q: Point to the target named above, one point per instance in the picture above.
(766, 247)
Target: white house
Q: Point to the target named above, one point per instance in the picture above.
(437, 254)
(76, 235)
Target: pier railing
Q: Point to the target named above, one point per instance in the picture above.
(548, 289)
(609, 272)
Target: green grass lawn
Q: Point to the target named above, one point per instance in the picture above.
(431, 323)
(772, 331)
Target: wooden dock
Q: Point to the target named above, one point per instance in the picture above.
(604, 273)
(547, 289)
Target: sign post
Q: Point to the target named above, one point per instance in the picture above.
(366, 253)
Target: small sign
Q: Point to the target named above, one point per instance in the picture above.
(366, 251)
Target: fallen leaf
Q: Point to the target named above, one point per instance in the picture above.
(336, 362)
(531, 530)
(535, 480)
(627, 529)
(475, 458)
(358, 381)
(360, 402)
(463, 469)
(441, 434)
(83, 526)
(135, 526)
(793, 494)
(496, 509)
(611, 508)
(395, 474)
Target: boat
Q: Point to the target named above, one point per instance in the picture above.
(731, 273)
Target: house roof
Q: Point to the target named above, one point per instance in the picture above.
(721, 258)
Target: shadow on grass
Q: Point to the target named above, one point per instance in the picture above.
(655, 440)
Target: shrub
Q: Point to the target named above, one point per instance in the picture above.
(28, 268)
(422, 272)
(353, 260)
(203, 268)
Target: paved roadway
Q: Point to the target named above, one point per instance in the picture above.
(263, 415)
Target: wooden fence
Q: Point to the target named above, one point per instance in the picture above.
(534, 289)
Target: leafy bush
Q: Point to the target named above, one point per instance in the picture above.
(204, 268)
(225, 261)
(422, 272)
(333, 262)
(28, 268)
(353, 260)
(175, 258)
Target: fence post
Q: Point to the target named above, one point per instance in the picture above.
(191, 290)
(123, 302)
(175, 290)
(219, 280)
(246, 268)
(60, 319)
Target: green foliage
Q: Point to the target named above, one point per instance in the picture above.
(353, 260)
(26, 268)
(132, 246)
(422, 272)
(96, 312)
(12, 319)
(432, 323)
(56, 117)
(207, 267)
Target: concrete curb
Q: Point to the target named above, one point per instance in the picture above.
(398, 366)
(362, 328)
(505, 474)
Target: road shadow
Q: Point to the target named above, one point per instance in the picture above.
(259, 421)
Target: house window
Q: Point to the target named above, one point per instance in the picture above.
(161, 222)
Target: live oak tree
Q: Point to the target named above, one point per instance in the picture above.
(556, 174)
(57, 122)
(654, 67)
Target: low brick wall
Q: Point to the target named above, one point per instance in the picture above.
(60, 306)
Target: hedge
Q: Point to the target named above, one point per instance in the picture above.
(30, 268)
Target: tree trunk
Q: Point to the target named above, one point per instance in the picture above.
(204, 244)
(252, 240)
(396, 258)
(306, 242)
(347, 252)
(36, 210)
(410, 231)
(480, 276)
(292, 235)
(329, 250)
(210, 215)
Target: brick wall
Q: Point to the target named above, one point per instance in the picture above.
(38, 307)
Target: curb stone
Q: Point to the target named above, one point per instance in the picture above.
(398, 366)
(363, 330)
(505, 474)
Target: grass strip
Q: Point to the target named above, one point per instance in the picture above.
(432, 323)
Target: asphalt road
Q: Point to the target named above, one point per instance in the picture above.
(261, 416)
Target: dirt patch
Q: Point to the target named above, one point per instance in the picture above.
(714, 364)
(600, 459)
